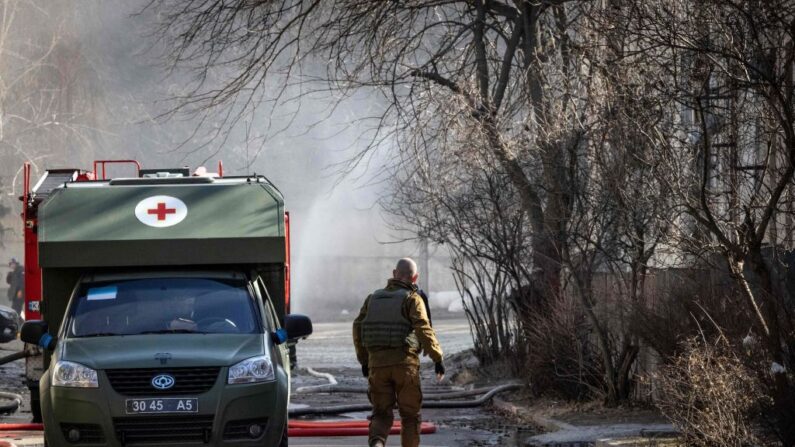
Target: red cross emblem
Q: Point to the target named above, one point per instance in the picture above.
(161, 211)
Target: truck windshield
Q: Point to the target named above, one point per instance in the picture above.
(162, 306)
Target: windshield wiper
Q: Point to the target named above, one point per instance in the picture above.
(99, 334)
(173, 331)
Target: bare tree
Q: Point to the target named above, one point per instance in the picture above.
(472, 210)
(487, 60)
(27, 112)
(723, 74)
(48, 112)
(517, 86)
(619, 126)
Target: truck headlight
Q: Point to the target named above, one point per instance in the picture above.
(74, 375)
(255, 369)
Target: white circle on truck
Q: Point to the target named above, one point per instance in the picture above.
(161, 211)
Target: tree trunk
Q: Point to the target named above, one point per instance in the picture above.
(628, 357)
(584, 296)
(546, 269)
(546, 223)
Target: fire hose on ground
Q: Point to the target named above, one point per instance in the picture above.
(12, 357)
(295, 429)
(437, 400)
(16, 401)
(333, 387)
(338, 409)
(331, 380)
(455, 394)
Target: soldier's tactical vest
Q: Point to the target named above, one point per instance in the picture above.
(385, 326)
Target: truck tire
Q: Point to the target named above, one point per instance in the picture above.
(35, 404)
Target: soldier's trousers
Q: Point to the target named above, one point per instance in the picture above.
(395, 384)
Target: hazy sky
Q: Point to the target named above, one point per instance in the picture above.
(117, 87)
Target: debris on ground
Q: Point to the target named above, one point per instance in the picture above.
(589, 424)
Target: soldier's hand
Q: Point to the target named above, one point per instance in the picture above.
(439, 371)
(365, 371)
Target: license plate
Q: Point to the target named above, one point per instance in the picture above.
(163, 405)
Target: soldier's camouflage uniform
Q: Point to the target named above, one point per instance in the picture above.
(389, 334)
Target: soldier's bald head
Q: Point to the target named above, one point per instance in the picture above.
(406, 270)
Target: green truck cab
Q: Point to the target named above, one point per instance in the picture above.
(164, 312)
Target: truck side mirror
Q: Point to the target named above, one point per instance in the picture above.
(297, 326)
(35, 332)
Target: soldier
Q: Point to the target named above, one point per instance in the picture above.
(389, 334)
(16, 285)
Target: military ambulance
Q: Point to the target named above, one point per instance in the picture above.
(164, 308)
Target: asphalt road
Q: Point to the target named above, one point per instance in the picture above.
(330, 349)
(331, 345)
(455, 427)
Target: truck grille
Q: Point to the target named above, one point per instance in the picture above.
(160, 430)
(138, 381)
(239, 429)
(89, 433)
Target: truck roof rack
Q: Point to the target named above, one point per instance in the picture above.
(161, 181)
(52, 179)
(167, 172)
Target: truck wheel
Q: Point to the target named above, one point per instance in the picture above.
(284, 442)
(35, 405)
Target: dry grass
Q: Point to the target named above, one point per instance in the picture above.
(562, 360)
(710, 395)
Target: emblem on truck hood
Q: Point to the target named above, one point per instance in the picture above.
(161, 211)
(163, 382)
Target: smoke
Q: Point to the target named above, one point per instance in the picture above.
(111, 92)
